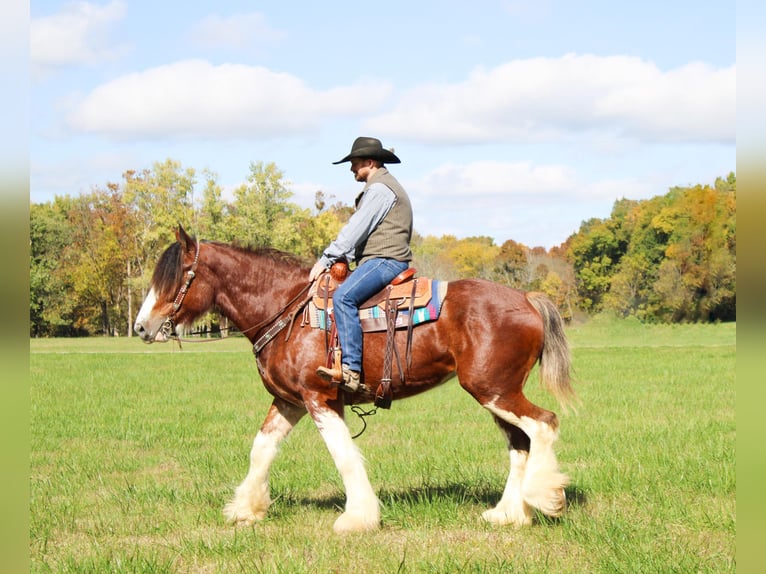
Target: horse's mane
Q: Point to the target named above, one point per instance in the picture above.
(168, 273)
(266, 252)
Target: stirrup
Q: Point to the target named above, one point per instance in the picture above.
(346, 379)
(351, 381)
(329, 375)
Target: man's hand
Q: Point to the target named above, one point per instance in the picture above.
(316, 271)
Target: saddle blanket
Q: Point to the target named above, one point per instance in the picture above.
(374, 318)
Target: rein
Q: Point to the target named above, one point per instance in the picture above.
(272, 332)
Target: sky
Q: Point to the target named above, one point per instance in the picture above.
(513, 119)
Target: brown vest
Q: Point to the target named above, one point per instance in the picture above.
(391, 238)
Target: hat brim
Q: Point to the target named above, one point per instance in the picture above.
(382, 155)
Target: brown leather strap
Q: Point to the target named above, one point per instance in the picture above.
(327, 312)
(383, 394)
(410, 325)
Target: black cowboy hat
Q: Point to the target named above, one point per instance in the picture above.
(370, 148)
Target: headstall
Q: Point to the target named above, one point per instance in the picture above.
(168, 327)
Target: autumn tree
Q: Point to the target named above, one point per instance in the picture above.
(431, 256)
(511, 265)
(697, 278)
(95, 260)
(668, 258)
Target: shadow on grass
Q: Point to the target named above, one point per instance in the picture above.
(431, 494)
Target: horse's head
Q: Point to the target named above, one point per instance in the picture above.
(172, 300)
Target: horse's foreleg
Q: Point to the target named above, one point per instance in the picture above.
(512, 508)
(542, 484)
(251, 499)
(362, 511)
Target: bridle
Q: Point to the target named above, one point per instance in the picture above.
(168, 327)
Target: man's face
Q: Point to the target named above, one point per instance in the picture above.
(361, 168)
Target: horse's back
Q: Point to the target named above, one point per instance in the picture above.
(489, 317)
(489, 301)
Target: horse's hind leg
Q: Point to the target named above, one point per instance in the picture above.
(512, 508)
(542, 484)
(252, 499)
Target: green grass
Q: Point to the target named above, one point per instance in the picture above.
(135, 449)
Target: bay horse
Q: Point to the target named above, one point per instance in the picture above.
(488, 335)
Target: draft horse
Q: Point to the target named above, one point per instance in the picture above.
(488, 335)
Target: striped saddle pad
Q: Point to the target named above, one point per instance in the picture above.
(426, 308)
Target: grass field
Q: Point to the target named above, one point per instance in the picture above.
(135, 450)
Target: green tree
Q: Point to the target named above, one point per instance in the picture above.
(50, 309)
(261, 207)
(213, 217)
(159, 199)
(668, 258)
(594, 252)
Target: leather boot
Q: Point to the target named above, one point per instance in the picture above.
(347, 379)
(329, 374)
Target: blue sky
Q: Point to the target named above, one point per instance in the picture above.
(514, 119)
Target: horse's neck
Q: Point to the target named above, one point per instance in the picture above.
(253, 287)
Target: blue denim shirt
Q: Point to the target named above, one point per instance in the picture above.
(375, 204)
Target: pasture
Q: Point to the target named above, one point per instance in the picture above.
(135, 450)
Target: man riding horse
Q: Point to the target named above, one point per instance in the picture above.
(377, 237)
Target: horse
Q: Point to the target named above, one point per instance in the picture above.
(488, 335)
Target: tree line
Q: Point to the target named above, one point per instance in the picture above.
(670, 258)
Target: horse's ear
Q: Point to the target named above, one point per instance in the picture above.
(183, 237)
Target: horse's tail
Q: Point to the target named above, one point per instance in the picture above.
(555, 360)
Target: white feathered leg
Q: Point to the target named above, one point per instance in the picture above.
(512, 509)
(252, 499)
(541, 483)
(362, 511)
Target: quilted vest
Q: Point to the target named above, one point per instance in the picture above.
(391, 238)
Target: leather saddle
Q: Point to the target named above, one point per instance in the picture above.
(404, 291)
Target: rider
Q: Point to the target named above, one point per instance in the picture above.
(377, 237)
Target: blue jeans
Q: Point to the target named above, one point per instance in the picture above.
(366, 280)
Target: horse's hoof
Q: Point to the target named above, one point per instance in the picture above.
(348, 523)
(502, 518)
(237, 517)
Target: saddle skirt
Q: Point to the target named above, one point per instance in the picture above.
(421, 297)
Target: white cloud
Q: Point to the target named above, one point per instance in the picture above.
(537, 204)
(546, 99)
(236, 31)
(194, 98)
(77, 35)
(492, 178)
(484, 183)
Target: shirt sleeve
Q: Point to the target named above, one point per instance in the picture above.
(376, 202)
